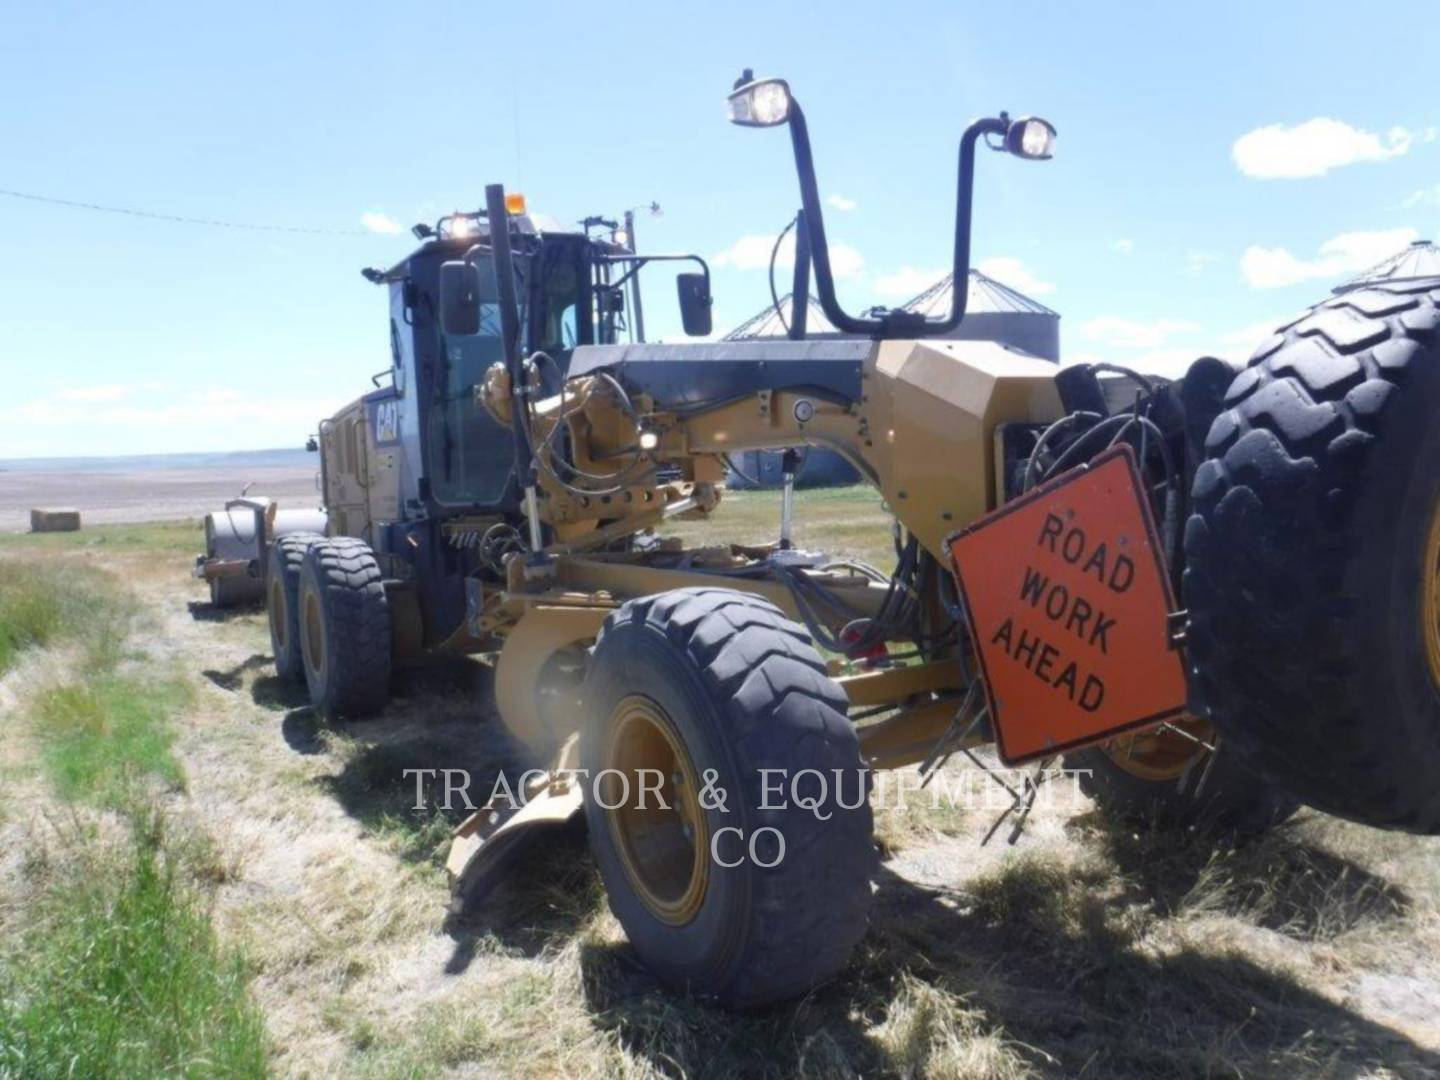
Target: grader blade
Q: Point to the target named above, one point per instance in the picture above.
(489, 840)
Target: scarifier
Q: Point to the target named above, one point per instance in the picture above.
(1220, 595)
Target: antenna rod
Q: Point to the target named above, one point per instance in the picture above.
(504, 260)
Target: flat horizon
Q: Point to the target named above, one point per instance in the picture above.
(174, 457)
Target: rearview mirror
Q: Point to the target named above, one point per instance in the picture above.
(459, 298)
(695, 302)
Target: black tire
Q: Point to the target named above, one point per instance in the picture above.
(746, 691)
(1232, 800)
(1306, 556)
(344, 629)
(282, 602)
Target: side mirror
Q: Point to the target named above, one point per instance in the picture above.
(459, 298)
(695, 303)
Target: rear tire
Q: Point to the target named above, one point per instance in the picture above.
(282, 602)
(1313, 559)
(712, 683)
(1191, 795)
(344, 629)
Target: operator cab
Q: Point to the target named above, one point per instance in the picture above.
(572, 290)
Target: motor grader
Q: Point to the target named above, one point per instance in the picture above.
(1216, 597)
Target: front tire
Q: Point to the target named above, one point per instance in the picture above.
(1313, 559)
(713, 686)
(344, 629)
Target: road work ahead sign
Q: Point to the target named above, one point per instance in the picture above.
(1068, 602)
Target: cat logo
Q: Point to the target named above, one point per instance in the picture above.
(387, 421)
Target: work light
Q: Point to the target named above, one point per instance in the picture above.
(1031, 137)
(760, 103)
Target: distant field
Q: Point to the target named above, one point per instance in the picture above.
(151, 488)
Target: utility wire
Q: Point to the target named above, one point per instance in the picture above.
(181, 220)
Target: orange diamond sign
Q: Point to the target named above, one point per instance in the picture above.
(1068, 600)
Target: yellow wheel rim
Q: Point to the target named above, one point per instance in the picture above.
(1159, 754)
(279, 617)
(660, 831)
(314, 630)
(1430, 602)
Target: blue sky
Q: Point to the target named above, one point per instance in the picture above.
(1218, 167)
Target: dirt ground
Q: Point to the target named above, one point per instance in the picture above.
(1083, 949)
(146, 494)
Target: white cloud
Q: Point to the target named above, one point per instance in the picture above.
(1424, 197)
(1123, 333)
(1237, 345)
(1011, 271)
(753, 253)
(1124, 245)
(1170, 363)
(1151, 352)
(1314, 148)
(112, 392)
(1242, 342)
(1348, 253)
(907, 282)
(1196, 260)
(841, 202)
(380, 223)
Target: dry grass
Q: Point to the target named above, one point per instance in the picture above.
(1085, 949)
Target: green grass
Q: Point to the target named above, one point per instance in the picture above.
(47, 603)
(118, 974)
(848, 522)
(146, 538)
(111, 966)
(106, 730)
(29, 615)
(106, 737)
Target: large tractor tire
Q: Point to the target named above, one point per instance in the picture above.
(1313, 559)
(282, 602)
(344, 629)
(1163, 779)
(708, 687)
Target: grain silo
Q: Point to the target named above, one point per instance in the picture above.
(994, 312)
(1420, 260)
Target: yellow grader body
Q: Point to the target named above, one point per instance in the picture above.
(1211, 598)
(924, 433)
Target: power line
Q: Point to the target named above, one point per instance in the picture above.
(178, 219)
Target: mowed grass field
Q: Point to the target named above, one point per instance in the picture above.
(197, 878)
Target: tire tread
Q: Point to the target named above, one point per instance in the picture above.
(1276, 523)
